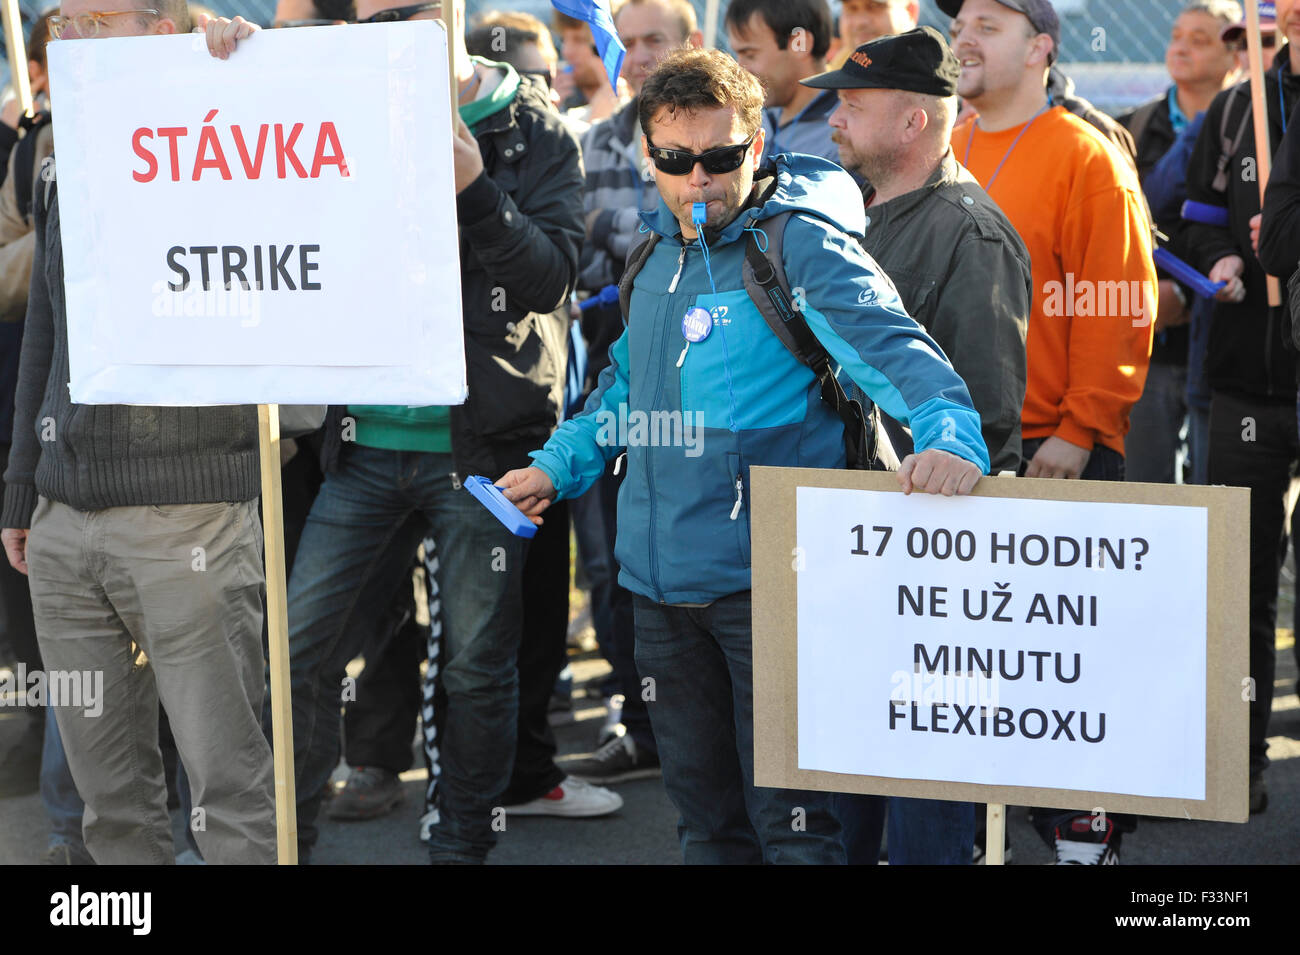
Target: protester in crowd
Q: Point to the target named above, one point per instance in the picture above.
(583, 85)
(617, 191)
(963, 273)
(383, 464)
(99, 552)
(519, 39)
(683, 539)
(782, 42)
(1200, 65)
(1078, 206)
(862, 21)
(1251, 363)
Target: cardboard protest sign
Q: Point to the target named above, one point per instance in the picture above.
(1068, 644)
(276, 227)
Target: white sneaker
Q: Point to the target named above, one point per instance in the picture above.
(573, 798)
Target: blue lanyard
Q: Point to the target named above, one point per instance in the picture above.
(988, 186)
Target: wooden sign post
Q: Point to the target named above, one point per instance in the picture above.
(16, 50)
(1259, 106)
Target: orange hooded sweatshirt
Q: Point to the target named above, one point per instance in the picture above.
(1078, 207)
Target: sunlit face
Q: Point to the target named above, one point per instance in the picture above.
(648, 30)
(994, 44)
(1288, 19)
(778, 70)
(865, 128)
(1196, 54)
(696, 133)
(578, 52)
(862, 21)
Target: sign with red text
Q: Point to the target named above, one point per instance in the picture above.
(277, 227)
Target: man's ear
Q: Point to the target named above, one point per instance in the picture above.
(756, 148)
(166, 26)
(696, 40)
(645, 146)
(1039, 51)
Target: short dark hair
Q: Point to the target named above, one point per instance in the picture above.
(40, 37)
(690, 80)
(517, 29)
(784, 17)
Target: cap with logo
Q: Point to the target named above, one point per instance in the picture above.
(1041, 14)
(1267, 24)
(918, 61)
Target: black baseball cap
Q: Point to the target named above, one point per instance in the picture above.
(1041, 14)
(918, 61)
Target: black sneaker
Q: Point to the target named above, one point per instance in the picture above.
(1078, 843)
(369, 792)
(618, 761)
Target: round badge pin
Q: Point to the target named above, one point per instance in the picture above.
(697, 323)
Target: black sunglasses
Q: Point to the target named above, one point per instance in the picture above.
(401, 13)
(724, 159)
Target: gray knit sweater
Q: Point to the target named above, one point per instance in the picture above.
(95, 456)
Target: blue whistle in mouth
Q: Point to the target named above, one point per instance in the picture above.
(699, 212)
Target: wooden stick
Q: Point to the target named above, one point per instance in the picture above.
(277, 625)
(710, 24)
(447, 14)
(995, 838)
(16, 49)
(1263, 143)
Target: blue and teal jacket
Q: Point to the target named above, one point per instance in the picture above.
(683, 510)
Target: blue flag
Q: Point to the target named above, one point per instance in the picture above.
(608, 45)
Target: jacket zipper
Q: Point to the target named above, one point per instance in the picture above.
(649, 470)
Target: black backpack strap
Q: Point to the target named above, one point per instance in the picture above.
(766, 283)
(1228, 147)
(25, 163)
(635, 260)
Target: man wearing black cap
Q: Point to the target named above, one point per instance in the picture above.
(963, 274)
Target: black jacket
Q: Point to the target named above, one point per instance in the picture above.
(1249, 350)
(1153, 132)
(520, 232)
(1279, 236)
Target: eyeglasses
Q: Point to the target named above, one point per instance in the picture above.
(724, 159)
(401, 13)
(89, 24)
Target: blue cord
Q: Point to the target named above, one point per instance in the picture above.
(698, 217)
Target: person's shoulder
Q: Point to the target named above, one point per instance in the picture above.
(1080, 148)
(973, 211)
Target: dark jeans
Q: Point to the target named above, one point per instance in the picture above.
(1253, 444)
(921, 831)
(355, 551)
(595, 521)
(701, 662)
(543, 651)
(1105, 464)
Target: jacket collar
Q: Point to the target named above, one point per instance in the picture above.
(947, 173)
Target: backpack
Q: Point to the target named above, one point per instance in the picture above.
(866, 443)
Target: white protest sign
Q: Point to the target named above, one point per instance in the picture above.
(278, 227)
(1024, 643)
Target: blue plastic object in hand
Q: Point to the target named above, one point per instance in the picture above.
(1186, 274)
(490, 496)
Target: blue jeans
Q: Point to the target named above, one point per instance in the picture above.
(701, 661)
(921, 831)
(356, 550)
(58, 792)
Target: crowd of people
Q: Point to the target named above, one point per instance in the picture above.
(961, 280)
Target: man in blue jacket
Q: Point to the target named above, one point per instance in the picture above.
(743, 399)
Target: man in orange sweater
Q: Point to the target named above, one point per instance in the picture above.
(1078, 207)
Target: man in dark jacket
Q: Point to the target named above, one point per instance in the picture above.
(1250, 365)
(518, 180)
(962, 272)
(1201, 65)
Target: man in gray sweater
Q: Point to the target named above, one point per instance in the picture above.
(139, 532)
